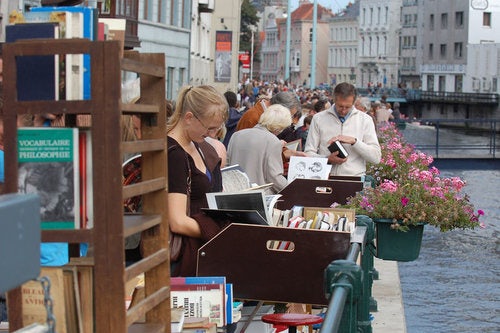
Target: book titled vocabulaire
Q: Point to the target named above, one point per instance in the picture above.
(48, 166)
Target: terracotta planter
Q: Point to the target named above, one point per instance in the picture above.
(397, 245)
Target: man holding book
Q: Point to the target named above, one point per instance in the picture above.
(353, 128)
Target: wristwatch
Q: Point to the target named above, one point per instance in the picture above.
(355, 140)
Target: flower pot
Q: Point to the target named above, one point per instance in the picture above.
(397, 245)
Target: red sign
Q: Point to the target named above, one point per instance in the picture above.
(245, 59)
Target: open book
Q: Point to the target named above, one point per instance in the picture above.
(248, 201)
(234, 179)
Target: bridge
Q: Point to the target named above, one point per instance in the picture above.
(402, 95)
(457, 143)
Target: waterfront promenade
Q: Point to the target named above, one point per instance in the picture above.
(390, 317)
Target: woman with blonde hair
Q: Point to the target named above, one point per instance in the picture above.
(258, 150)
(193, 170)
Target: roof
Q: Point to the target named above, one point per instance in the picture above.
(305, 12)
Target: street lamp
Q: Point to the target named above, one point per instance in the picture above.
(251, 52)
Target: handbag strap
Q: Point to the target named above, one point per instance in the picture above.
(188, 179)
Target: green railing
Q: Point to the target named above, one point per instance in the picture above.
(348, 286)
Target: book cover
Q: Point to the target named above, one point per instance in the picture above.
(200, 300)
(248, 200)
(337, 146)
(37, 76)
(33, 305)
(308, 168)
(49, 167)
(229, 303)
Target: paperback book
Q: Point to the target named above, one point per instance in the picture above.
(49, 166)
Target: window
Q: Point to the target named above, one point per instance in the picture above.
(310, 34)
(442, 83)
(430, 82)
(458, 83)
(431, 22)
(458, 50)
(444, 21)
(486, 19)
(431, 51)
(459, 20)
(442, 51)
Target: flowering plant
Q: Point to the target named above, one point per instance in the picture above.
(411, 192)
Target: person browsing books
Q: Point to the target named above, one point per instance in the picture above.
(352, 127)
(193, 170)
(258, 150)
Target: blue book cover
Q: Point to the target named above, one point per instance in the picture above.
(229, 303)
(89, 31)
(37, 76)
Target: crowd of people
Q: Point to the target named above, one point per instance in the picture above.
(250, 127)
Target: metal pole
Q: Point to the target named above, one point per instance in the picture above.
(251, 57)
(288, 36)
(313, 53)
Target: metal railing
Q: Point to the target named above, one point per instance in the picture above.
(348, 285)
(457, 138)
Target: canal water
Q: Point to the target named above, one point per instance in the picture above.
(454, 285)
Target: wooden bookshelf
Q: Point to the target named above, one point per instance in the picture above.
(106, 238)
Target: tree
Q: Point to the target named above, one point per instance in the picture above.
(249, 20)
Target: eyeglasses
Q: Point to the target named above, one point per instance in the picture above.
(209, 129)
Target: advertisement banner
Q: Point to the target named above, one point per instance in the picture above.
(223, 47)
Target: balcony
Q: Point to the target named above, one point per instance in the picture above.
(123, 9)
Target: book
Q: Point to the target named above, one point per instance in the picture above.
(244, 200)
(207, 328)
(49, 166)
(191, 322)
(116, 30)
(308, 167)
(200, 300)
(229, 303)
(85, 178)
(89, 16)
(234, 179)
(337, 146)
(176, 319)
(294, 145)
(37, 76)
(33, 304)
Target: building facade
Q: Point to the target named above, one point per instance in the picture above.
(410, 40)
(271, 68)
(379, 26)
(343, 46)
(301, 44)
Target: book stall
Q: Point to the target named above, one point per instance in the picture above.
(275, 263)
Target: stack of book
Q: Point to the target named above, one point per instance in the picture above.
(204, 297)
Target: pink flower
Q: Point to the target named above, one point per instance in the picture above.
(404, 201)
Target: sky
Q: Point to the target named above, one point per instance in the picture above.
(334, 5)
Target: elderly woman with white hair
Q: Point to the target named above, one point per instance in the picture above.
(258, 150)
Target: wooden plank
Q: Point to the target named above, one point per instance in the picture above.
(132, 65)
(68, 236)
(108, 211)
(148, 303)
(144, 187)
(140, 108)
(154, 164)
(134, 223)
(131, 147)
(146, 264)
